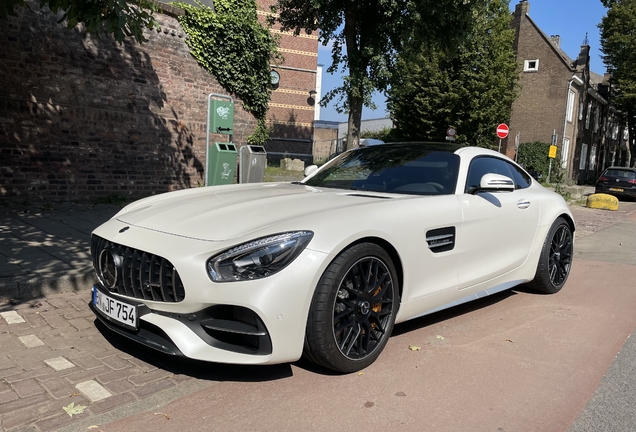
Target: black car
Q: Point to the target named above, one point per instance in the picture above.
(617, 181)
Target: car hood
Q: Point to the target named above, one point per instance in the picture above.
(221, 213)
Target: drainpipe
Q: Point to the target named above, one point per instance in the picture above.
(565, 118)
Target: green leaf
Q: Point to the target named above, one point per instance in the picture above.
(72, 410)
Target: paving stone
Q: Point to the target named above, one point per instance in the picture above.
(152, 388)
(32, 360)
(6, 363)
(58, 342)
(54, 407)
(84, 361)
(118, 375)
(143, 378)
(28, 374)
(9, 396)
(118, 387)
(28, 387)
(142, 364)
(31, 341)
(93, 390)
(81, 376)
(35, 320)
(56, 321)
(55, 422)
(81, 323)
(111, 403)
(18, 418)
(20, 403)
(58, 388)
(116, 363)
(59, 363)
(12, 317)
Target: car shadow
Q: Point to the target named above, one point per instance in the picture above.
(194, 368)
(455, 311)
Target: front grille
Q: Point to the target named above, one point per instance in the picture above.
(137, 274)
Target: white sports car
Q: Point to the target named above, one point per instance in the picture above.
(266, 273)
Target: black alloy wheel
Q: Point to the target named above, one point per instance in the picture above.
(560, 255)
(353, 309)
(555, 261)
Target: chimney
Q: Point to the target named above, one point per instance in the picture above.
(522, 8)
(556, 40)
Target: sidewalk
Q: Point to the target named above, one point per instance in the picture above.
(52, 353)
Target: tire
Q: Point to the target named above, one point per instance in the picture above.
(555, 261)
(353, 310)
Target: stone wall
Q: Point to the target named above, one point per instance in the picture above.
(83, 117)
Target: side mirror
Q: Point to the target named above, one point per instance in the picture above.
(496, 183)
(310, 170)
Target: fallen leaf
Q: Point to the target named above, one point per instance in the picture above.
(400, 394)
(414, 348)
(74, 394)
(440, 337)
(93, 427)
(510, 340)
(360, 373)
(163, 414)
(72, 410)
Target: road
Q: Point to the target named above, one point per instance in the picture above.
(517, 361)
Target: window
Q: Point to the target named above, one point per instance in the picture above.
(596, 118)
(583, 156)
(592, 158)
(587, 116)
(531, 65)
(491, 165)
(565, 151)
(570, 115)
(581, 110)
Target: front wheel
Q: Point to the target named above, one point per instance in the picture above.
(555, 261)
(353, 309)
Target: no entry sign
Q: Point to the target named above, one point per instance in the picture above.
(502, 130)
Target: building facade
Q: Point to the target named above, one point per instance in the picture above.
(561, 102)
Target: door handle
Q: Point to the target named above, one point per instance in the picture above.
(523, 204)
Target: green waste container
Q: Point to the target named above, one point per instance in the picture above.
(221, 163)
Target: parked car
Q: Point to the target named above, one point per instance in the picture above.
(617, 181)
(266, 273)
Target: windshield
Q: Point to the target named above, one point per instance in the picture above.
(413, 168)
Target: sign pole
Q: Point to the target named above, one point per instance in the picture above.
(499, 145)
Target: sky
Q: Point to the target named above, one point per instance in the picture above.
(570, 19)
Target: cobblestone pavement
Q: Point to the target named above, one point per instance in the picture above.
(589, 221)
(53, 355)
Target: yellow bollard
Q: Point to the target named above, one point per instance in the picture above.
(602, 201)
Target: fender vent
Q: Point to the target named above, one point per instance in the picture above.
(441, 239)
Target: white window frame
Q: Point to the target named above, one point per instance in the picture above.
(565, 151)
(571, 95)
(527, 65)
(583, 160)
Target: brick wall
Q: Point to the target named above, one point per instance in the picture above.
(83, 117)
(540, 107)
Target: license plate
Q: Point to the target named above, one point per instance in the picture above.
(616, 189)
(116, 310)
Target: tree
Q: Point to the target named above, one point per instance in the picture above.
(471, 89)
(367, 35)
(120, 18)
(618, 44)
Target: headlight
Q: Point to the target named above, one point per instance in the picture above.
(259, 258)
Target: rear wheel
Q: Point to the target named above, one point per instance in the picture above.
(555, 261)
(353, 309)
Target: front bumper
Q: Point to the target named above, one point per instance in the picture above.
(249, 322)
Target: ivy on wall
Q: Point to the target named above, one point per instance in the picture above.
(231, 44)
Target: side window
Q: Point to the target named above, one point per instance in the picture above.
(521, 178)
(486, 165)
